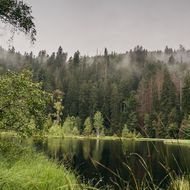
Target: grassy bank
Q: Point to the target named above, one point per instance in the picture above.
(166, 141)
(105, 138)
(177, 142)
(180, 184)
(22, 169)
(94, 137)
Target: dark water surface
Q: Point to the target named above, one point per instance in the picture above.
(107, 162)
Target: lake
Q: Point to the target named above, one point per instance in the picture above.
(113, 162)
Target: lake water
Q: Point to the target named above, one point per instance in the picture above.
(107, 162)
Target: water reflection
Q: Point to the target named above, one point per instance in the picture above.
(109, 160)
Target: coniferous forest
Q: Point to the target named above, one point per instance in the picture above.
(143, 92)
(111, 121)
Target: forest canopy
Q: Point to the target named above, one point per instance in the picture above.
(141, 91)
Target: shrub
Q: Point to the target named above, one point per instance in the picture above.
(184, 131)
(56, 130)
(70, 123)
(75, 131)
(127, 134)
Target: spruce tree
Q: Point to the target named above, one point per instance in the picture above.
(87, 127)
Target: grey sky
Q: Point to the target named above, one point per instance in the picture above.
(119, 25)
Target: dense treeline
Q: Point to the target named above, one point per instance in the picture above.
(139, 91)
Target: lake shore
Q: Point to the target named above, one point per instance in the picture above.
(35, 169)
(177, 142)
(80, 137)
(166, 141)
(22, 169)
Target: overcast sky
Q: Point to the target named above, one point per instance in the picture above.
(119, 25)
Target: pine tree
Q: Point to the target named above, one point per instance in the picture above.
(161, 130)
(87, 127)
(129, 112)
(168, 100)
(115, 109)
(186, 95)
(76, 59)
(132, 122)
(149, 127)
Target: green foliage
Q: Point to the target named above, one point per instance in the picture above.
(22, 169)
(123, 87)
(57, 98)
(182, 183)
(173, 130)
(125, 131)
(186, 95)
(132, 122)
(127, 134)
(99, 123)
(114, 108)
(48, 124)
(130, 112)
(22, 102)
(56, 130)
(18, 14)
(168, 100)
(87, 127)
(161, 130)
(184, 131)
(75, 131)
(71, 124)
(149, 125)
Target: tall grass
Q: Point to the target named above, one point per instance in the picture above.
(173, 180)
(22, 169)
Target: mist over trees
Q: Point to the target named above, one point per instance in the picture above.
(145, 92)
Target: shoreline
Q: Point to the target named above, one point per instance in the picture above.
(115, 138)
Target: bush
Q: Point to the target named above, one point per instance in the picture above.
(70, 123)
(173, 130)
(184, 131)
(75, 131)
(56, 130)
(127, 134)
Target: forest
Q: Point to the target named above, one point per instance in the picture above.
(140, 92)
(109, 121)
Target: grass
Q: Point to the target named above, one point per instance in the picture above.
(180, 184)
(94, 137)
(108, 138)
(22, 169)
(177, 142)
(166, 141)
